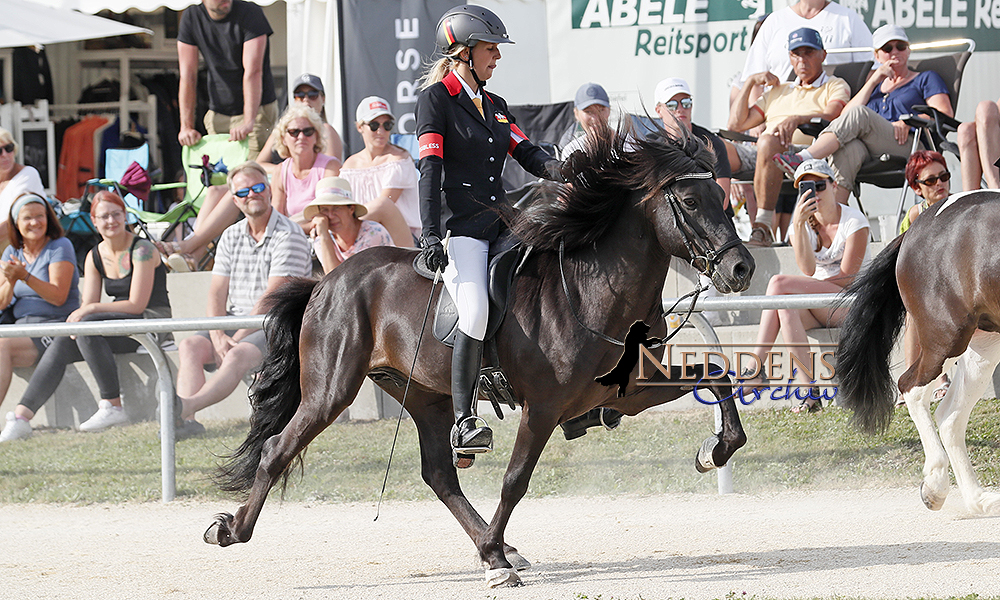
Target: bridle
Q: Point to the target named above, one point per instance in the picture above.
(703, 258)
(698, 249)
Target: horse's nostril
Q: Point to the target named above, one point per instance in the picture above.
(742, 271)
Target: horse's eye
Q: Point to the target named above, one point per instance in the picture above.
(689, 201)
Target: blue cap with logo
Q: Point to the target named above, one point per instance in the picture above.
(590, 94)
(805, 37)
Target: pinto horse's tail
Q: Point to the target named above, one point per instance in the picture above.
(867, 337)
(275, 394)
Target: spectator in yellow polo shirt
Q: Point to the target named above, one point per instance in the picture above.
(781, 109)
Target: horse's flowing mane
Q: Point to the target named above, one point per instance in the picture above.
(616, 163)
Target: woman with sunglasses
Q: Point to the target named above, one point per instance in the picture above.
(870, 125)
(15, 179)
(307, 90)
(382, 175)
(830, 240)
(301, 146)
(131, 274)
(927, 173)
(464, 134)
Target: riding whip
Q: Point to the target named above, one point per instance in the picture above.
(409, 378)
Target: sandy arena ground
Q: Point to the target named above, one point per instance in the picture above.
(863, 543)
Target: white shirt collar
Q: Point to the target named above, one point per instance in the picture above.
(468, 90)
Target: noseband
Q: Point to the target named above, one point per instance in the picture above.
(703, 258)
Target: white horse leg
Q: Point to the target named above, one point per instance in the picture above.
(934, 488)
(975, 368)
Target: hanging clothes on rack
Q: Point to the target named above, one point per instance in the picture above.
(77, 162)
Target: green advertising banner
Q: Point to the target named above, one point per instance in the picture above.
(924, 20)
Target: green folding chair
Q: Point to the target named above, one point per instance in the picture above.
(206, 163)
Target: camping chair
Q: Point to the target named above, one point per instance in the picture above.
(886, 171)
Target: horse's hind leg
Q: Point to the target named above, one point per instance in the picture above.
(317, 410)
(717, 450)
(975, 368)
(432, 417)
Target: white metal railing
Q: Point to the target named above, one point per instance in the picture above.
(138, 330)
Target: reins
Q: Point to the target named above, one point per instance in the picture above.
(693, 236)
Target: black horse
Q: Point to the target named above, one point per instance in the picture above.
(601, 248)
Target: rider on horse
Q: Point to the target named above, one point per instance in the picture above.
(464, 134)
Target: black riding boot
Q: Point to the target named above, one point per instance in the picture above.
(466, 360)
(576, 427)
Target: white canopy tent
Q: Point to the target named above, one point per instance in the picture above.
(28, 23)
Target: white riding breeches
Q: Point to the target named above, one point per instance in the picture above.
(465, 279)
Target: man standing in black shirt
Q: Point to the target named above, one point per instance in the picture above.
(232, 36)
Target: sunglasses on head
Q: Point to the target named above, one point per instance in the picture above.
(8, 148)
(933, 179)
(311, 94)
(683, 103)
(308, 132)
(900, 46)
(256, 188)
(387, 125)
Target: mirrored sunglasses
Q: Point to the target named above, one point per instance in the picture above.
(900, 46)
(683, 103)
(933, 179)
(8, 148)
(256, 188)
(387, 125)
(311, 94)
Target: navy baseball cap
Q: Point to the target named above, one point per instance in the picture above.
(805, 37)
(590, 94)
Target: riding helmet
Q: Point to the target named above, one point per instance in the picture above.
(468, 24)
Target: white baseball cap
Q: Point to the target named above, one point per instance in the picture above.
(372, 108)
(888, 33)
(670, 87)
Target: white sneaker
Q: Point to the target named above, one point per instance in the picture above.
(16, 429)
(107, 415)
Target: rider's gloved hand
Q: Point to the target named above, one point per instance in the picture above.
(433, 251)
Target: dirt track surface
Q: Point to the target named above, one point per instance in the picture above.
(862, 543)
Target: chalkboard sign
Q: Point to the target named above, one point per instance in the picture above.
(38, 150)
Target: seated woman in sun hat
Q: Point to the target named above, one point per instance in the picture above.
(337, 229)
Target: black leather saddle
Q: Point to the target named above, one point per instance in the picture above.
(506, 257)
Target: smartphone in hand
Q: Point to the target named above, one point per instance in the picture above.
(807, 185)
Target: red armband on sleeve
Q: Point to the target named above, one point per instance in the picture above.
(431, 144)
(516, 137)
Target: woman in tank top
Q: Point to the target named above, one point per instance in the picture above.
(299, 142)
(130, 270)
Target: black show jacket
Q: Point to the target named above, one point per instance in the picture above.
(462, 156)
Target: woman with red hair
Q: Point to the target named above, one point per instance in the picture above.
(928, 175)
(130, 270)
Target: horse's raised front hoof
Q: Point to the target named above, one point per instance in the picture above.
(703, 460)
(930, 502)
(219, 532)
(505, 577)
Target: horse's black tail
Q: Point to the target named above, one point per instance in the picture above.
(867, 337)
(275, 394)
